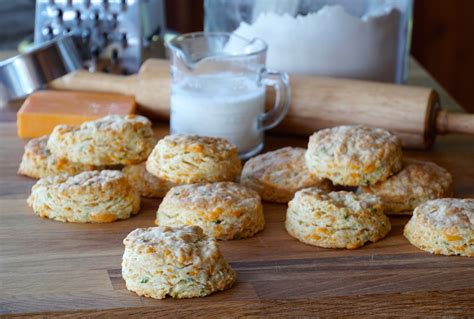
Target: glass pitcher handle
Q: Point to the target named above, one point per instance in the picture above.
(280, 83)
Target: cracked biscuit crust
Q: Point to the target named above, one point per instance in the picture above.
(181, 262)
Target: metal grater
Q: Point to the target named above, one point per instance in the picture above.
(110, 35)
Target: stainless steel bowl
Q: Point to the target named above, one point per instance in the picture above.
(26, 73)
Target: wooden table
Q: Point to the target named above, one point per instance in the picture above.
(51, 268)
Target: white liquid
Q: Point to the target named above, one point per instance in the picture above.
(331, 42)
(223, 105)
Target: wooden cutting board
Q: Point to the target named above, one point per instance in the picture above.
(48, 267)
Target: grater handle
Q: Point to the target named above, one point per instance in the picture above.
(96, 82)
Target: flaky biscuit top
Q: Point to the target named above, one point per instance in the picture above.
(112, 123)
(354, 145)
(90, 180)
(179, 246)
(281, 167)
(37, 146)
(341, 199)
(186, 159)
(207, 196)
(216, 147)
(110, 140)
(416, 178)
(447, 213)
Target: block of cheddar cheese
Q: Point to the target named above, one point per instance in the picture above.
(43, 110)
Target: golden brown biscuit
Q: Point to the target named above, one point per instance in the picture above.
(354, 155)
(111, 140)
(147, 184)
(278, 175)
(38, 162)
(443, 226)
(181, 262)
(337, 219)
(187, 159)
(224, 210)
(89, 197)
(416, 183)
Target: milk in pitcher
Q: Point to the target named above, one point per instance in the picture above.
(220, 105)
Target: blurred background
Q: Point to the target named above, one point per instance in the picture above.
(442, 39)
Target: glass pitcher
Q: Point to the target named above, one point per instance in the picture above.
(218, 89)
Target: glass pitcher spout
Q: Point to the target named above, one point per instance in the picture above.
(191, 50)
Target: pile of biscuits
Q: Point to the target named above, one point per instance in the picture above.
(368, 178)
(77, 169)
(338, 192)
(97, 172)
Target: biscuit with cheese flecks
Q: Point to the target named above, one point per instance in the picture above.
(180, 262)
(416, 183)
(38, 162)
(88, 197)
(147, 184)
(443, 226)
(110, 140)
(187, 159)
(336, 219)
(224, 210)
(279, 174)
(354, 155)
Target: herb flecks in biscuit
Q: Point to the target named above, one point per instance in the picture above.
(38, 162)
(354, 155)
(336, 219)
(416, 183)
(111, 140)
(187, 159)
(224, 210)
(89, 197)
(180, 262)
(443, 226)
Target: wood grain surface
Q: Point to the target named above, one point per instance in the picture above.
(54, 268)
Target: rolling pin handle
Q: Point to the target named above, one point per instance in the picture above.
(461, 123)
(96, 82)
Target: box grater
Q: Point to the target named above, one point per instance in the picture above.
(111, 35)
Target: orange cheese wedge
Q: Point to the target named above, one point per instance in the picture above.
(43, 110)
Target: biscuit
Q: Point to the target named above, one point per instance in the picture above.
(181, 262)
(416, 183)
(147, 184)
(354, 155)
(337, 219)
(89, 197)
(187, 159)
(38, 162)
(278, 175)
(443, 226)
(111, 140)
(224, 210)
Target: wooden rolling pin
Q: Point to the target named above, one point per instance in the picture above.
(413, 113)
